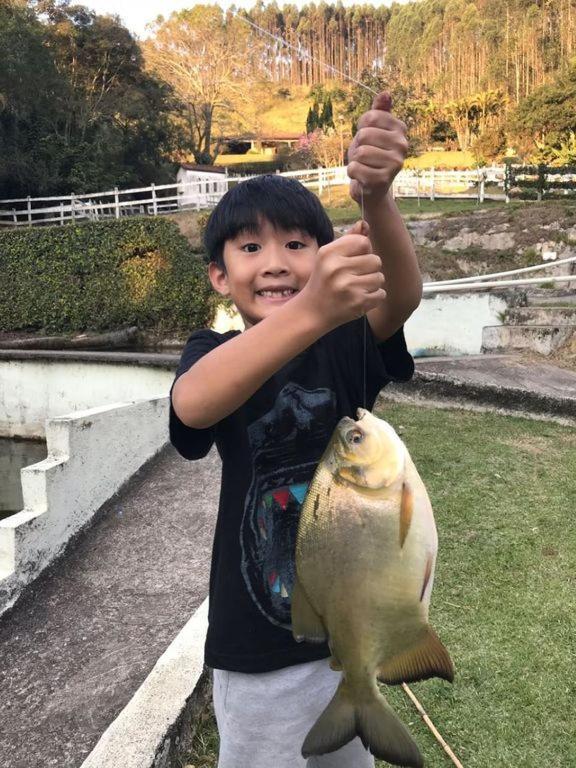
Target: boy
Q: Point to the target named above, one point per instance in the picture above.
(270, 398)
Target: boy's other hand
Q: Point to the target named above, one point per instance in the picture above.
(378, 149)
(347, 279)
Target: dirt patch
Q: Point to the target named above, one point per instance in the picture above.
(441, 264)
(191, 225)
(528, 223)
(532, 445)
(536, 446)
(565, 357)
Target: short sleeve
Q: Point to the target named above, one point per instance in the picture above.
(189, 442)
(384, 361)
(398, 362)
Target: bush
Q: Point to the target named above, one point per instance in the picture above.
(101, 276)
(256, 168)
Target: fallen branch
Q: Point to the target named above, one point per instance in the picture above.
(432, 727)
(113, 340)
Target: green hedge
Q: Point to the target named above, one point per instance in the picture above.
(103, 275)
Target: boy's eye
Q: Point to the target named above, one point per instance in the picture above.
(295, 245)
(250, 247)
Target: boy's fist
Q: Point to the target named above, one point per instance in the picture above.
(378, 149)
(347, 279)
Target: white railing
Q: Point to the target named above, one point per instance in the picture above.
(492, 275)
(168, 198)
(481, 285)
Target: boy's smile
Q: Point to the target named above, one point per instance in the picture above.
(264, 270)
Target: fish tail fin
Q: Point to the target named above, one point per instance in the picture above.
(385, 735)
(379, 729)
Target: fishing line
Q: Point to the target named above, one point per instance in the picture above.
(365, 319)
(301, 50)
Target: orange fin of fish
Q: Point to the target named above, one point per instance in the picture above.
(427, 574)
(335, 664)
(429, 658)
(306, 623)
(406, 510)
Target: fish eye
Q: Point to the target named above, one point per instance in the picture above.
(355, 436)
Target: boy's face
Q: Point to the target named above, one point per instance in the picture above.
(259, 265)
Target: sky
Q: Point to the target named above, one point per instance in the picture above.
(135, 14)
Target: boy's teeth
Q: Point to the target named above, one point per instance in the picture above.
(287, 292)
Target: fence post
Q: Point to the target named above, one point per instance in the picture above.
(116, 203)
(29, 206)
(319, 182)
(154, 201)
(433, 175)
(72, 209)
(61, 214)
(14, 216)
(507, 181)
(482, 183)
(542, 181)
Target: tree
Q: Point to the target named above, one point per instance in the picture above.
(543, 121)
(312, 119)
(78, 113)
(326, 118)
(209, 61)
(27, 111)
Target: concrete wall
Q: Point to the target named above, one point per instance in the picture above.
(91, 454)
(451, 324)
(35, 389)
(443, 324)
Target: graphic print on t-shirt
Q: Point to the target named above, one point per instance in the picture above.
(286, 445)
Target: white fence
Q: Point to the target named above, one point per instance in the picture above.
(168, 198)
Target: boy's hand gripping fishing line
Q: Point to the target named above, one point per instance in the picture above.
(382, 101)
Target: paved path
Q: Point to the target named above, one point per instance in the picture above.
(502, 381)
(86, 634)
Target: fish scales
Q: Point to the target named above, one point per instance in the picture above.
(365, 557)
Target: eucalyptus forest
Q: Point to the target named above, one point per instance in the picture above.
(85, 105)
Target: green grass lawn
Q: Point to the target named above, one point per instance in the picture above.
(504, 494)
(347, 213)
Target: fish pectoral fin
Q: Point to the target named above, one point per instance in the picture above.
(406, 511)
(335, 664)
(428, 658)
(306, 623)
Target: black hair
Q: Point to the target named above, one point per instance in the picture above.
(284, 202)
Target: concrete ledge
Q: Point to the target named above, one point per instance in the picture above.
(443, 387)
(156, 727)
(35, 386)
(543, 339)
(154, 359)
(90, 456)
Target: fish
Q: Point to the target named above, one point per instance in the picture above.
(365, 558)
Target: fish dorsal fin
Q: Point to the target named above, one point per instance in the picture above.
(306, 623)
(427, 658)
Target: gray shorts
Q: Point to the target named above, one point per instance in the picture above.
(263, 718)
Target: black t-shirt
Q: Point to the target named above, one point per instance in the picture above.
(270, 448)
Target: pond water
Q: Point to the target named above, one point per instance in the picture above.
(15, 454)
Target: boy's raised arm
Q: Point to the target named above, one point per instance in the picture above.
(377, 154)
(345, 283)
